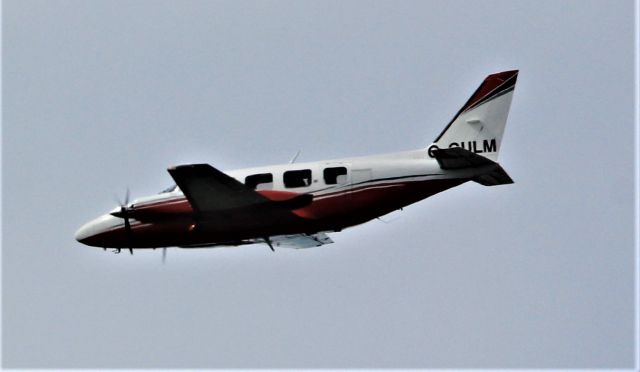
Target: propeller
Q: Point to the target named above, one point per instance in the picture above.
(124, 214)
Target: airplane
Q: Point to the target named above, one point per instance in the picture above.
(296, 205)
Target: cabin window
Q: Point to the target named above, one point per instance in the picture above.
(335, 176)
(260, 181)
(297, 178)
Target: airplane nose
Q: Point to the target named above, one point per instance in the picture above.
(84, 232)
(93, 232)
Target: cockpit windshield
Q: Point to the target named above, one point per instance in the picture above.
(171, 188)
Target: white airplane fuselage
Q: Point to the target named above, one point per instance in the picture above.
(314, 197)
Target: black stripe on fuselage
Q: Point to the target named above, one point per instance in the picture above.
(349, 187)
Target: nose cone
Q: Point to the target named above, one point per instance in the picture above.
(84, 232)
(94, 232)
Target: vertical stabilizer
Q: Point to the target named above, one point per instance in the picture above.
(479, 125)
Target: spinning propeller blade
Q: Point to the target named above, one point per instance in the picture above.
(124, 214)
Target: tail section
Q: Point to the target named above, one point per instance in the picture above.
(479, 125)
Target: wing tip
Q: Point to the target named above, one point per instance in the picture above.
(184, 166)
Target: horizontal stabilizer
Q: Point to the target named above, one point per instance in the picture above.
(496, 177)
(459, 158)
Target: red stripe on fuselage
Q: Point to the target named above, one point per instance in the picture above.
(370, 201)
(328, 212)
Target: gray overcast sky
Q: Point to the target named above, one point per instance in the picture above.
(101, 95)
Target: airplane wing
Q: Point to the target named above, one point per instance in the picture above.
(299, 241)
(212, 193)
(209, 190)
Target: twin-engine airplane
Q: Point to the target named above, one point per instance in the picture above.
(295, 205)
